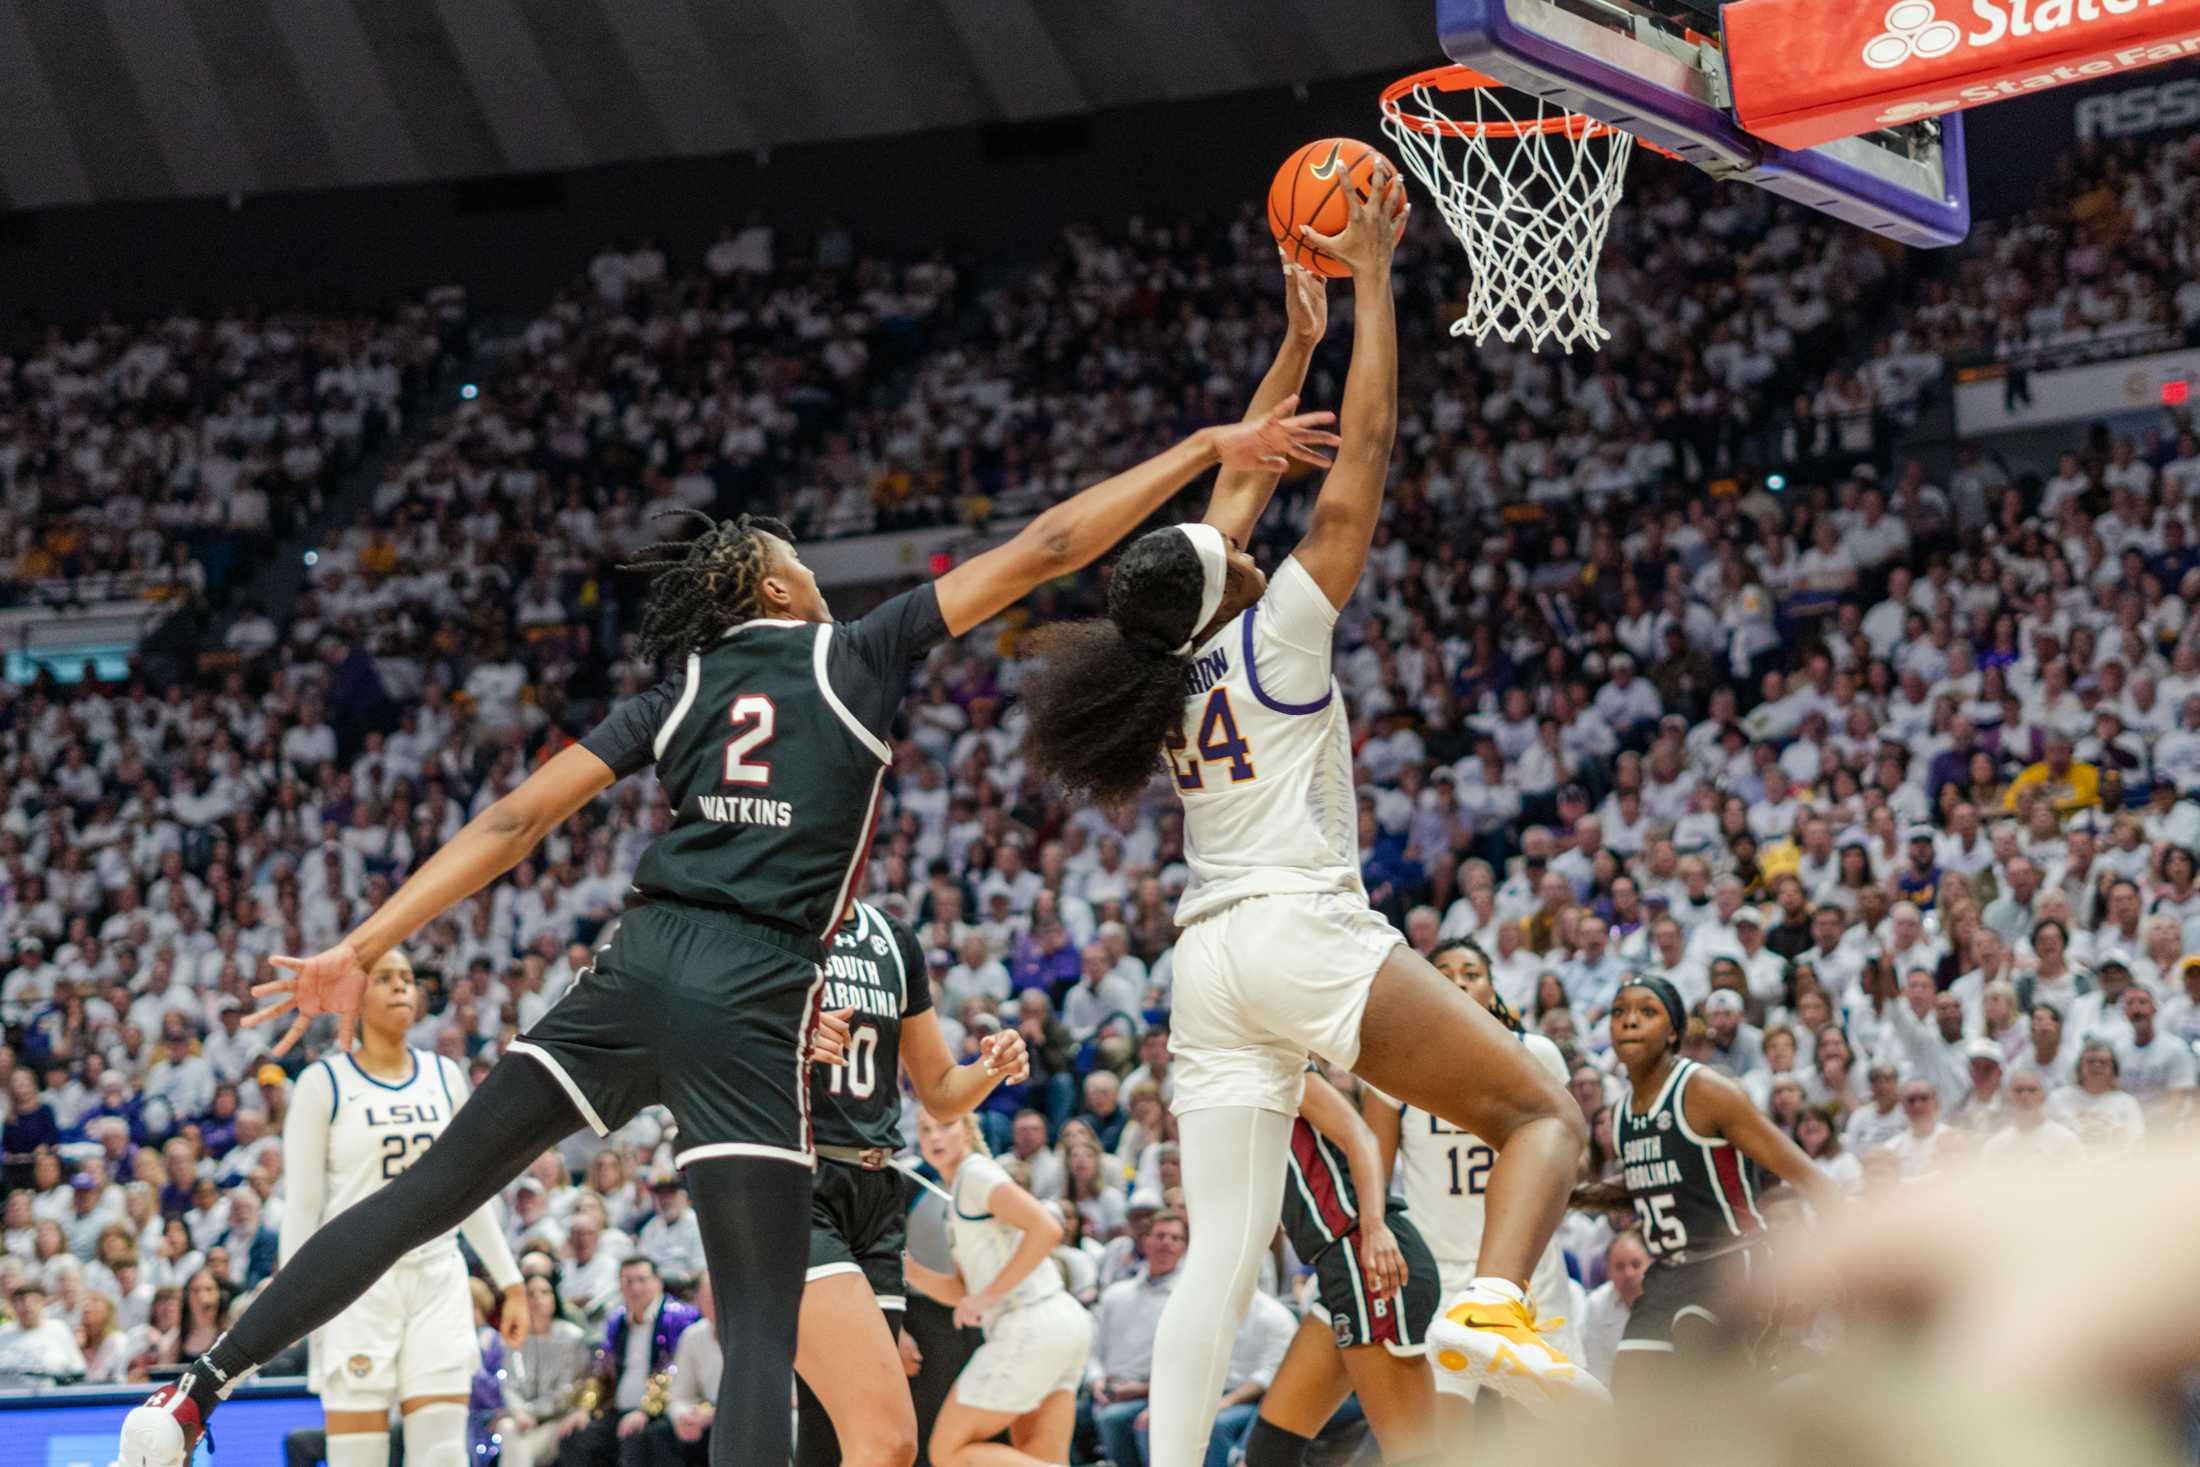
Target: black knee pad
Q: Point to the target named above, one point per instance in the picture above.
(1269, 1445)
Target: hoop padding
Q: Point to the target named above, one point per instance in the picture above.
(1528, 188)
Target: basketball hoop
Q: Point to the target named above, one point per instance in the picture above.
(1528, 188)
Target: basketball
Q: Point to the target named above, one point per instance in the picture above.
(1305, 191)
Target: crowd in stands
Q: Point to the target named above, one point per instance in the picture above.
(1896, 776)
(149, 461)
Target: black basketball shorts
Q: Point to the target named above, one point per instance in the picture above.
(697, 1009)
(1691, 1303)
(859, 1223)
(1399, 1322)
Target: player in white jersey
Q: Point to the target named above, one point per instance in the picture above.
(1023, 1380)
(357, 1119)
(1228, 676)
(1446, 1170)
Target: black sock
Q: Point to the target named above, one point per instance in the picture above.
(755, 1217)
(519, 1112)
(1269, 1445)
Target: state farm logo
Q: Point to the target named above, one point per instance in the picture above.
(1913, 29)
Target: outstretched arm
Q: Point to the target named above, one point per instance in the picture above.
(335, 980)
(1078, 531)
(1335, 548)
(1241, 495)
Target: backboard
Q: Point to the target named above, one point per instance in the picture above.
(1663, 81)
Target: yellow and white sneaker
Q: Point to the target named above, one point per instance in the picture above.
(1491, 1337)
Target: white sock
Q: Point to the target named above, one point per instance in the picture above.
(1503, 1288)
(1234, 1159)
(359, 1449)
(435, 1436)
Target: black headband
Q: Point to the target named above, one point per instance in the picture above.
(1667, 995)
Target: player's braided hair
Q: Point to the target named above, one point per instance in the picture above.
(703, 585)
(1108, 692)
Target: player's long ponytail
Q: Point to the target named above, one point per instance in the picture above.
(1108, 692)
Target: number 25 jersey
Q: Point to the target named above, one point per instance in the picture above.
(1263, 761)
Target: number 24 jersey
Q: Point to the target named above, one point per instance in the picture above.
(1263, 760)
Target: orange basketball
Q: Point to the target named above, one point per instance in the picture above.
(1306, 192)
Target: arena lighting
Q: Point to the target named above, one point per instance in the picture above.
(1776, 482)
(2175, 392)
(469, 392)
(313, 557)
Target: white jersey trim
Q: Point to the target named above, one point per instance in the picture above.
(864, 736)
(717, 1149)
(680, 709)
(565, 1083)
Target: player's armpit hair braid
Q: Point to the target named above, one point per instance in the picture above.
(1107, 693)
(704, 585)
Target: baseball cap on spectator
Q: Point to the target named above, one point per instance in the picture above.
(2115, 957)
(1921, 832)
(83, 1183)
(1723, 1001)
(1749, 915)
(1144, 1199)
(1982, 1048)
(668, 1181)
(939, 957)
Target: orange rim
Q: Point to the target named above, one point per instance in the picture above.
(1454, 78)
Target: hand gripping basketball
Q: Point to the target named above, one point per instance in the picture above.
(1372, 225)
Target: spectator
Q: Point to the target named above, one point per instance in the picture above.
(2106, 1121)
(1121, 1370)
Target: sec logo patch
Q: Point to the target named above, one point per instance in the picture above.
(359, 1366)
(878, 944)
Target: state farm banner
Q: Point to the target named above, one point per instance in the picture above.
(1805, 72)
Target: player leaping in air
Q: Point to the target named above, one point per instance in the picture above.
(1228, 674)
(770, 743)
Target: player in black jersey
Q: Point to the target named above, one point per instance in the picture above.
(1691, 1148)
(1378, 1292)
(770, 744)
(853, 1394)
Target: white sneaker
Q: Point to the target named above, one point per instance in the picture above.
(164, 1432)
(1497, 1342)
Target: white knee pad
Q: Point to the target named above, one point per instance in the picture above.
(435, 1436)
(359, 1449)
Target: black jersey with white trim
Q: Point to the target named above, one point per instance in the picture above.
(1696, 1195)
(771, 747)
(875, 967)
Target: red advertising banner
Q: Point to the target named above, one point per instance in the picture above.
(1805, 72)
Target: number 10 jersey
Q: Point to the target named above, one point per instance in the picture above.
(876, 968)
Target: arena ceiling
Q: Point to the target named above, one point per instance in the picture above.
(132, 99)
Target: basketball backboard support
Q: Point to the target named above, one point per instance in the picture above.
(1665, 83)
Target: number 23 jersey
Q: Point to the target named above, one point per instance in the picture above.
(875, 967)
(1263, 761)
(367, 1130)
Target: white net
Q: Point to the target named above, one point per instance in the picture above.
(1529, 190)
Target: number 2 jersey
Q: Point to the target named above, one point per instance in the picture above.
(771, 747)
(875, 967)
(1696, 1196)
(1263, 761)
(350, 1133)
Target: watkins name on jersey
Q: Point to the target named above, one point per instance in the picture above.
(745, 810)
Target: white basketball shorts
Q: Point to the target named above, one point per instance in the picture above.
(1028, 1355)
(411, 1335)
(1263, 983)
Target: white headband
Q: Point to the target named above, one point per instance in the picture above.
(1214, 568)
